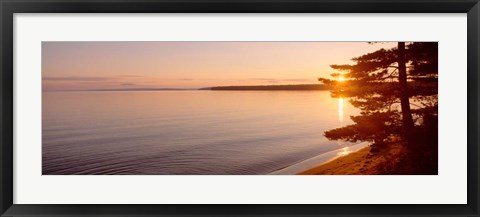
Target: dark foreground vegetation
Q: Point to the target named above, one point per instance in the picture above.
(396, 91)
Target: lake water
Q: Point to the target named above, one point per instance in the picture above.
(187, 132)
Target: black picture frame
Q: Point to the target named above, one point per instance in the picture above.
(9, 7)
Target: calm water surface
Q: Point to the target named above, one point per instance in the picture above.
(187, 132)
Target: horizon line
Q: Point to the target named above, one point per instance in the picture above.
(173, 88)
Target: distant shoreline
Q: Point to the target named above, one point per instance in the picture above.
(272, 87)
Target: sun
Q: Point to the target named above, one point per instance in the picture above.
(341, 79)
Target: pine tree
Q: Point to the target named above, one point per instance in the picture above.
(395, 89)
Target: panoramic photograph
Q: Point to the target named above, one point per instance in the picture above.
(239, 108)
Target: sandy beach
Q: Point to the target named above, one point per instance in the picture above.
(361, 162)
(321, 159)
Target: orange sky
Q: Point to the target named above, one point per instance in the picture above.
(116, 65)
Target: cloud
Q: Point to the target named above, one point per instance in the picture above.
(263, 79)
(74, 78)
(185, 79)
(274, 80)
(266, 80)
(127, 84)
(131, 76)
(297, 80)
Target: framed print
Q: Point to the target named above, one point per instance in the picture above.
(213, 108)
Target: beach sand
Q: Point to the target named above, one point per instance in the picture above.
(361, 162)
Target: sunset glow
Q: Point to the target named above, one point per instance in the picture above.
(123, 65)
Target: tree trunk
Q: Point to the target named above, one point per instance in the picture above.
(407, 120)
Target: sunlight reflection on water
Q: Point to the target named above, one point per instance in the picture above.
(340, 109)
(344, 151)
(186, 132)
